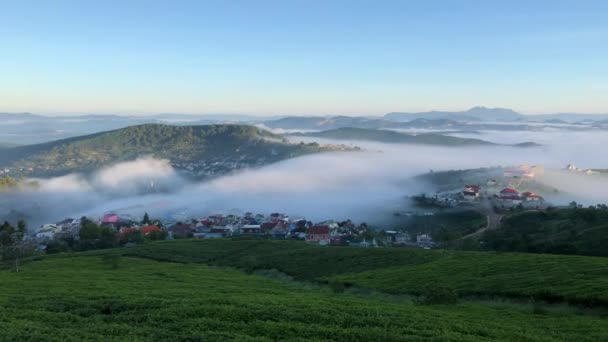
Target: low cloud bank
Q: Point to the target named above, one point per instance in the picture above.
(365, 186)
(139, 176)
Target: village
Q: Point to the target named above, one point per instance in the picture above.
(275, 226)
(513, 187)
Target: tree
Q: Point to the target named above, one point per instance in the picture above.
(12, 242)
(107, 238)
(89, 231)
(6, 230)
(146, 219)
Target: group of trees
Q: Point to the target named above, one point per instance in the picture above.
(13, 247)
(572, 230)
(94, 236)
(8, 183)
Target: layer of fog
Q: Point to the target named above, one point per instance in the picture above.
(364, 186)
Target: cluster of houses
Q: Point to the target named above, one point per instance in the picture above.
(573, 168)
(524, 171)
(63, 229)
(471, 194)
(509, 197)
(274, 226)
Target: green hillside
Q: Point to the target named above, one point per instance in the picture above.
(237, 144)
(386, 136)
(557, 278)
(97, 297)
(581, 231)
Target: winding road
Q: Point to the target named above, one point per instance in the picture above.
(494, 218)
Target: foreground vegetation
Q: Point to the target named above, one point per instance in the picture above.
(575, 230)
(553, 278)
(107, 297)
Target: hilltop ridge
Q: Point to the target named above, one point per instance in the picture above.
(190, 147)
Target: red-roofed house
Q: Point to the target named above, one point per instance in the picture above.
(149, 229)
(509, 196)
(109, 219)
(531, 196)
(509, 191)
(318, 234)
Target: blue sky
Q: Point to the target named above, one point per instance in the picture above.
(302, 57)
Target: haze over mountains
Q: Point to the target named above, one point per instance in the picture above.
(386, 136)
(27, 128)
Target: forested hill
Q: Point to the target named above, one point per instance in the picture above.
(386, 136)
(191, 147)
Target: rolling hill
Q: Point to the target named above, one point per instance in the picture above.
(386, 136)
(185, 146)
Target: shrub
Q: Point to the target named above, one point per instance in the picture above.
(438, 295)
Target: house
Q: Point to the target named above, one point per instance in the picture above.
(318, 234)
(508, 192)
(531, 197)
(47, 232)
(425, 241)
(110, 219)
(251, 229)
(397, 238)
(509, 197)
(146, 230)
(471, 192)
(182, 231)
(267, 226)
(222, 231)
(69, 227)
(278, 232)
(492, 182)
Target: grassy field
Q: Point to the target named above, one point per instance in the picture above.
(84, 298)
(554, 278)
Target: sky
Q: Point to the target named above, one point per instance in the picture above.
(302, 57)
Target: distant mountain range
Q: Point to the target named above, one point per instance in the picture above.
(386, 136)
(28, 128)
(473, 114)
(201, 150)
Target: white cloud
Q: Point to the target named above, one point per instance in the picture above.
(365, 186)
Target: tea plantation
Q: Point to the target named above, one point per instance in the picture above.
(101, 295)
(554, 278)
